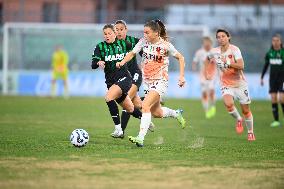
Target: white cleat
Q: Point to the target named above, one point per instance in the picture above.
(117, 134)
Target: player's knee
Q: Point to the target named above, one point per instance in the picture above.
(229, 107)
(108, 98)
(145, 108)
(129, 108)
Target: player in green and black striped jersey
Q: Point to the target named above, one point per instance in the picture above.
(118, 80)
(135, 71)
(275, 59)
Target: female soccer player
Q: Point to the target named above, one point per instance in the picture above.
(275, 58)
(229, 61)
(155, 61)
(207, 86)
(118, 80)
(135, 71)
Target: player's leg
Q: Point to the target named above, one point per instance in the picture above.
(112, 94)
(232, 110)
(248, 120)
(150, 99)
(274, 103)
(65, 83)
(274, 86)
(212, 102)
(281, 97)
(204, 100)
(53, 84)
(132, 93)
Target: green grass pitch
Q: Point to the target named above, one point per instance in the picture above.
(35, 151)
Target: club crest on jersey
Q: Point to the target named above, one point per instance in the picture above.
(114, 57)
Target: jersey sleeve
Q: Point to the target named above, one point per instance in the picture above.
(138, 47)
(172, 50)
(237, 54)
(96, 57)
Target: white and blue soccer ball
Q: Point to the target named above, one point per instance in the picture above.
(79, 138)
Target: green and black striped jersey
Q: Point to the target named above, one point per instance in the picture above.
(132, 65)
(111, 53)
(274, 58)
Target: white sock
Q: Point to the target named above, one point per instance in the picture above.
(118, 127)
(144, 125)
(249, 124)
(235, 114)
(205, 105)
(167, 112)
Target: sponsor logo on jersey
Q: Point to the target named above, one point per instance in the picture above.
(275, 61)
(114, 57)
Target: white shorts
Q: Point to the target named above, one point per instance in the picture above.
(160, 86)
(240, 93)
(207, 85)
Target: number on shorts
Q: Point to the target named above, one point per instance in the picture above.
(136, 77)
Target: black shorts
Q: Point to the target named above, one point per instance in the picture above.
(137, 78)
(124, 84)
(276, 83)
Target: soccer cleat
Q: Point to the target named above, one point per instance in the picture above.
(180, 119)
(207, 115)
(275, 124)
(213, 111)
(251, 137)
(138, 142)
(151, 127)
(239, 126)
(117, 134)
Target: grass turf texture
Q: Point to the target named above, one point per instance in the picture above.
(35, 151)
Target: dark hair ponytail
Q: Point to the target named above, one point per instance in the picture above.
(158, 26)
(163, 31)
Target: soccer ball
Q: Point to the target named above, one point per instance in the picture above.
(79, 137)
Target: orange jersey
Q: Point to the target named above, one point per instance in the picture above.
(155, 59)
(199, 58)
(230, 77)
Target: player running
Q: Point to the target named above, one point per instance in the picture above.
(135, 71)
(229, 61)
(118, 80)
(207, 86)
(275, 59)
(155, 61)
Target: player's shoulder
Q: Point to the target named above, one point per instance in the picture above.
(131, 38)
(234, 47)
(215, 50)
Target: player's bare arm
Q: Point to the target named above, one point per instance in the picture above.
(239, 64)
(181, 61)
(126, 59)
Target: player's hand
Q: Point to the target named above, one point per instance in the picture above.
(119, 64)
(101, 64)
(181, 82)
(261, 82)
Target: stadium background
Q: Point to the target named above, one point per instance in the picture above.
(251, 22)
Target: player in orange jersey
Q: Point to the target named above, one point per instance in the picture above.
(228, 59)
(155, 62)
(207, 86)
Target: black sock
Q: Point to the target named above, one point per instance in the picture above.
(136, 113)
(113, 110)
(275, 111)
(124, 119)
(282, 105)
